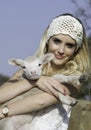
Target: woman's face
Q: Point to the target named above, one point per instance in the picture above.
(63, 48)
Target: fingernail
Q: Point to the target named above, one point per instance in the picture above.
(65, 93)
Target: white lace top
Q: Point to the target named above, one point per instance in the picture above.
(55, 117)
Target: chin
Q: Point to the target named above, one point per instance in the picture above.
(34, 77)
(59, 62)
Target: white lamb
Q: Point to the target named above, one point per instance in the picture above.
(32, 67)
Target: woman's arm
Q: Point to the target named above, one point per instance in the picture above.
(30, 104)
(52, 86)
(14, 87)
(37, 101)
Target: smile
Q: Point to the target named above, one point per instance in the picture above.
(59, 57)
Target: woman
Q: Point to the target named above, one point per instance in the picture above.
(65, 38)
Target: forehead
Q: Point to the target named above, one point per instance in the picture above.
(32, 63)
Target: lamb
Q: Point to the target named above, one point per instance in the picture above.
(32, 67)
(46, 118)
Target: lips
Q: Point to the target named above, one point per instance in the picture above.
(59, 57)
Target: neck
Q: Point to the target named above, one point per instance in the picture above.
(51, 69)
(56, 67)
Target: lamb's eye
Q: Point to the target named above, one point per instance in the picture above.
(39, 64)
(23, 67)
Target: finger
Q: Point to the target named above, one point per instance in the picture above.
(51, 89)
(56, 85)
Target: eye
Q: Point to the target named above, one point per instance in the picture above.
(56, 41)
(39, 64)
(23, 67)
(70, 45)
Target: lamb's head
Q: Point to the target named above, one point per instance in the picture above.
(32, 66)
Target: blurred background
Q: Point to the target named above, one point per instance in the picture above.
(22, 23)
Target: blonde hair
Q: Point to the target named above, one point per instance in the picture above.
(78, 65)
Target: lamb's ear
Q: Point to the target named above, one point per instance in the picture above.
(16, 62)
(47, 58)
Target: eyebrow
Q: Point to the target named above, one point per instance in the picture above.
(56, 39)
(71, 43)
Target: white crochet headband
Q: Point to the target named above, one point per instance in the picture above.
(66, 25)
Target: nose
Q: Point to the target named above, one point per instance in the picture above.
(61, 49)
(33, 72)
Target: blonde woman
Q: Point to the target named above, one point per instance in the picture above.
(65, 38)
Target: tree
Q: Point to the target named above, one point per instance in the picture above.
(83, 11)
(3, 79)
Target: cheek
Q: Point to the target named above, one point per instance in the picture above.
(51, 47)
(70, 53)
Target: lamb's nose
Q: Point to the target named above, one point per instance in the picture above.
(33, 72)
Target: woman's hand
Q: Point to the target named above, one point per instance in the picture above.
(50, 85)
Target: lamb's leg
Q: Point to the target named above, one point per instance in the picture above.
(66, 99)
(75, 80)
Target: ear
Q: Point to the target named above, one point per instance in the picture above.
(47, 58)
(16, 62)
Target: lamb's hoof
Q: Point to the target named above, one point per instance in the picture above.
(73, 103)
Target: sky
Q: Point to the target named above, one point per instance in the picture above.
(22, 23)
